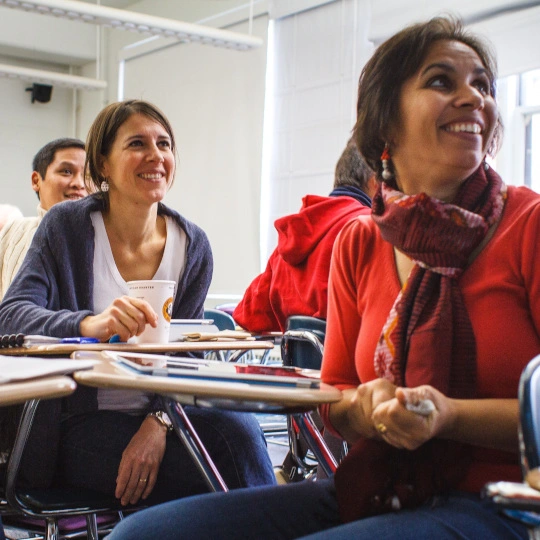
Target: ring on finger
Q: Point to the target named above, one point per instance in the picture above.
(381, 428)
(143, 480)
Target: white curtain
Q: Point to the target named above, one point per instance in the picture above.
(315, 58)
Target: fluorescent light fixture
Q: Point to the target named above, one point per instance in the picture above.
(136, 22)
(51, 77)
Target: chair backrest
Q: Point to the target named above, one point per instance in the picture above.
(229, 307)
(302, 342)
(221, 319)
(529, 405)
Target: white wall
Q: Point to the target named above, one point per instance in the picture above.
(24, 129)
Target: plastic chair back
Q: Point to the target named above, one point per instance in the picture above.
(227, 308)
(302, 342)
(221, 319)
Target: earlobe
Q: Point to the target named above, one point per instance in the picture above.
(36, 181)
(391, 136)
(103, 169)
(372, 186)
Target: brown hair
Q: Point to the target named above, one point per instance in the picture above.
(351, 169)
(104, 129)
(395, 61)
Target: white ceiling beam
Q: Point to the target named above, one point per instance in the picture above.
(51, 77)
(136, 22)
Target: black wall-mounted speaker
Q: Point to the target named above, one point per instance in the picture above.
(40, 92)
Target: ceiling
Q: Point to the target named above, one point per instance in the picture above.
(119, 4)
(21, 43)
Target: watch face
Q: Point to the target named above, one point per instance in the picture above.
(164, 417)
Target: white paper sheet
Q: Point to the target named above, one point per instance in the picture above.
(22, 368)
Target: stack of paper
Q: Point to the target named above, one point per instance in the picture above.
(222, 335)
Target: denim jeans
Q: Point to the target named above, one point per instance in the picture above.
(92, 446)
(309, 510)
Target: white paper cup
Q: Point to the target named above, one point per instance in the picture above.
(160, 295)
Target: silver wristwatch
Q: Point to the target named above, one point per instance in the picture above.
(163, 418)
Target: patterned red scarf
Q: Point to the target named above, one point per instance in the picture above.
(427, 339)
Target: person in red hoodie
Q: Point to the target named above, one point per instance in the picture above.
(295, 281)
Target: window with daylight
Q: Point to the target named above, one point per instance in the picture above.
(529, 102)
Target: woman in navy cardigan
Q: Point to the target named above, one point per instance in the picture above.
(73, 283)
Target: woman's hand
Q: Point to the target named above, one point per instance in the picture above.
(126, 317)
(140, 463)
(406, 429)
(352, 416)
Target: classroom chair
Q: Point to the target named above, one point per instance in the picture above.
(21, 507)
(302, 345)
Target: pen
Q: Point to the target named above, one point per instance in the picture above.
(79, 340)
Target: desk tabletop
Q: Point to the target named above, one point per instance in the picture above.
(59, 349)
(44, 388)
(234, 396)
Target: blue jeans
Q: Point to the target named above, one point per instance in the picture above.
(309, 510)
(92, 446)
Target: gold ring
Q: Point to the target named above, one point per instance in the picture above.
(381, 428)
(144, 480)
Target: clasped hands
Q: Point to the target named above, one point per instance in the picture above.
(378, 410)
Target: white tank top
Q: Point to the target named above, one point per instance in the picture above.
(109, 284)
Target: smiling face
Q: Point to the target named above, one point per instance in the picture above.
(140, 165)
(64, 178)
(447, 120)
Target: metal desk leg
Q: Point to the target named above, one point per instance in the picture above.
(193, 444)
(315, 442)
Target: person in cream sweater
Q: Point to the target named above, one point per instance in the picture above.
(58, 175)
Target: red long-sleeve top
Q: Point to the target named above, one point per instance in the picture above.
(501, 289)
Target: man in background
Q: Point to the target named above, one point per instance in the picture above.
(58, 175)
(295, 281)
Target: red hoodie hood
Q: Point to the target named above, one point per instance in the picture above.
(299, 234)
